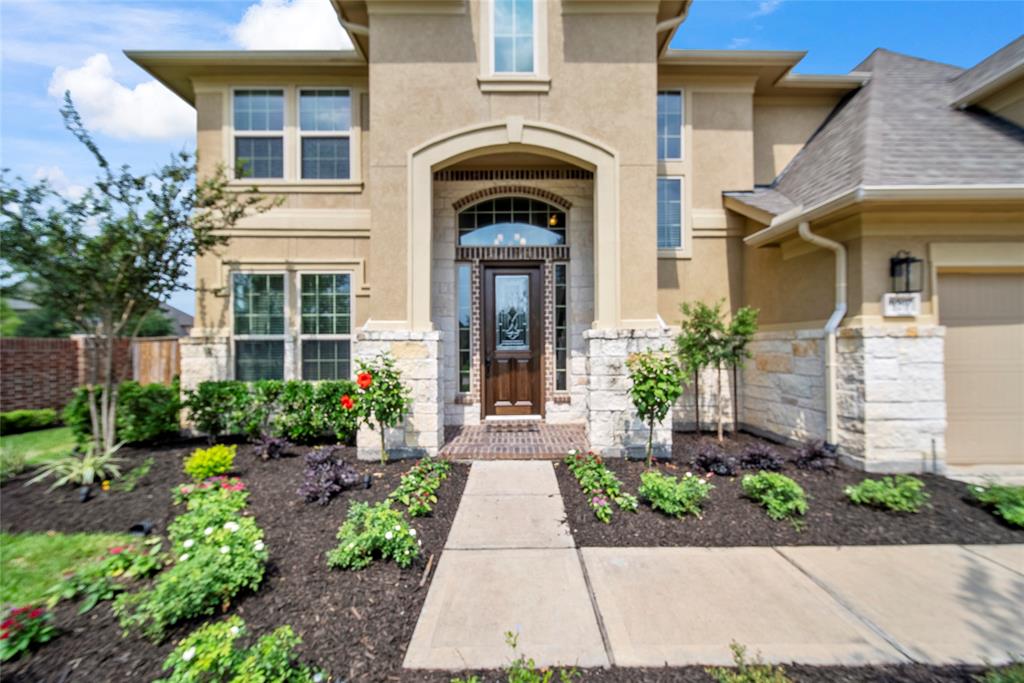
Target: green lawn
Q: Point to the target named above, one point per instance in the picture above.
(30, 564)
(24, 451)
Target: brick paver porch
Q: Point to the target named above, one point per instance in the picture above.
(513, 440)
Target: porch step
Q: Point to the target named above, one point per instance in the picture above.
(522, 440)
(513, 426)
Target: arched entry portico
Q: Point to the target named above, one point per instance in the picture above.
(522, 136)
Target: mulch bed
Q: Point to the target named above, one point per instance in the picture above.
(354, 624)
(731, 519)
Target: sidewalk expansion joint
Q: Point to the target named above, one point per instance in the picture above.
(993, 561)
(845, 604)
(597, 610)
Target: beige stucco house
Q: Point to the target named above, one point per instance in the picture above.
(514, 195)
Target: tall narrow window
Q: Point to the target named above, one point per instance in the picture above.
(670, 124)
(670, 213)
(259, 133)
(561, 327)
(325, 125)
(326, 329)
(513, 36)
(259, 326)
(465, 306)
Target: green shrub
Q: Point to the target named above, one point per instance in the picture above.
(752, 672)
(599, 484)
(418, 489)
(1005, 501)
(210, 653)
(676, 497)
(902, 493)
(374, 532)
(24, 629)
(209, 462)
(12, 462)
(1011, 673)
(300, 411)
(18, 421)
(143, 412)
(217, 554)
(781, 496)
(104, 578)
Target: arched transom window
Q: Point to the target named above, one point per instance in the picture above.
(511, 222)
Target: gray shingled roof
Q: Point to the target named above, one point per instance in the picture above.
(898, 129)
(987, 70)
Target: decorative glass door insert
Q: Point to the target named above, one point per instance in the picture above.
(512, 312)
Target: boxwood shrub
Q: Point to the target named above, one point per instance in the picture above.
(144, 412)
(17, 421)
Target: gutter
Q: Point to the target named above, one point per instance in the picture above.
(788, 222)
(831, 327)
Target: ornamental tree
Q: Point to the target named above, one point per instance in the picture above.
(107, 259)
(383, 401)
(738, 335)
(657, 384)
(699, 344)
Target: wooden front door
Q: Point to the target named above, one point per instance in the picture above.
(513, 354)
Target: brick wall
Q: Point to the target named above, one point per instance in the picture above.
(43, 373)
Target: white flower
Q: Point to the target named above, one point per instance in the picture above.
(183, 557)
(398, 527)
(688, 474)
(412, 532)
(318, 677)
(258, 546)
(188, 544)
(224, 550)
(231, 526)
(351, 546)
(420, 543)
(406, 551)
(234, 630)
(389, 535)
(189, 654)
(208, 530)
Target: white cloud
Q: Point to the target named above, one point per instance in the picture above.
(738, 43)
(148, 110)
(766, 7)
(59, 181)
(291, 25)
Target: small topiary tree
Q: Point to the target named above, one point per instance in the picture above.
(699, 343)
(738, 335)
(657, 385)
(383, 400)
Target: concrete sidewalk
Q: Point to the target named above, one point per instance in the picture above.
(510, 565)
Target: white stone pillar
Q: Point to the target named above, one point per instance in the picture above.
(204, 359)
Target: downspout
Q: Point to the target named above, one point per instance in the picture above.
(831, 407)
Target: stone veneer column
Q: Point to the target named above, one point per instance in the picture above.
(418, 357)
(204, 359)
(612, 424)
(892, 399)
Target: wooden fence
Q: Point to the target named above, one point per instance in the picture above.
(155, 360)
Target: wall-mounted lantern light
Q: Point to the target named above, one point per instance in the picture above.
(905, 273)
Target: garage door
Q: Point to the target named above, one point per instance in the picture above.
(984, 319)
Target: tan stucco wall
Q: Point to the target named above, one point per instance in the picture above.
(714, 273)
(781, 128)
(1008, 102)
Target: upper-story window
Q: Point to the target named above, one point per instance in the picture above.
(514, 34)
(670, 213)
(670, 124)
(325, 125)
(511, 222)
(259, 133)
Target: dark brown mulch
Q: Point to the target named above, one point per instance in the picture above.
(731, 519)
(354, 624)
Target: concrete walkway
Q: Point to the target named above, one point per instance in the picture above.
(510, 565)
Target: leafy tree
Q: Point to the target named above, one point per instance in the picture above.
(657, 385)
(154, 323)
(383, 400)
(738, 335)
(9, 320)
(699, 342)
(111, 256)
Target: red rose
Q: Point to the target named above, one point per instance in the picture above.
(346, 402)
(7, 624)
(364, 380)
(20, 610)
(4, 635)
(117, 550)
(36, 613)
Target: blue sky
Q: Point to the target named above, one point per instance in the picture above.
(49, 45)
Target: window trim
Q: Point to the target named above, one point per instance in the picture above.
(682, 124)
(536, 81)
(302, 135)
(301, 337)
(683, 213)
(268, 134)
(235, 337)
(493, 38)
(554, 324)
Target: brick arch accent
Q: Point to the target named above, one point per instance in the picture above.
(502, 190)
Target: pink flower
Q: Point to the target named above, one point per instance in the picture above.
(117, 550)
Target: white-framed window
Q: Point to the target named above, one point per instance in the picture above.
(670, 212)
(325, 127)
(670, 124)
(258, 119)
(325, 325)
(259, 315)
(464, 275)
(513, 37)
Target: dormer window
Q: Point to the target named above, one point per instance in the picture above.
(514, 36)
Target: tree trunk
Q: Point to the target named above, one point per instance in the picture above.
(650, 443)
(109, 397)
(696, 396)
(735, 400)
(718, 391)
(383, 453)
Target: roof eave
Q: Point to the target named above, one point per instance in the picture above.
(993, 85)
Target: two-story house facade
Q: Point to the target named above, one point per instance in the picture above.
(512, 196)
